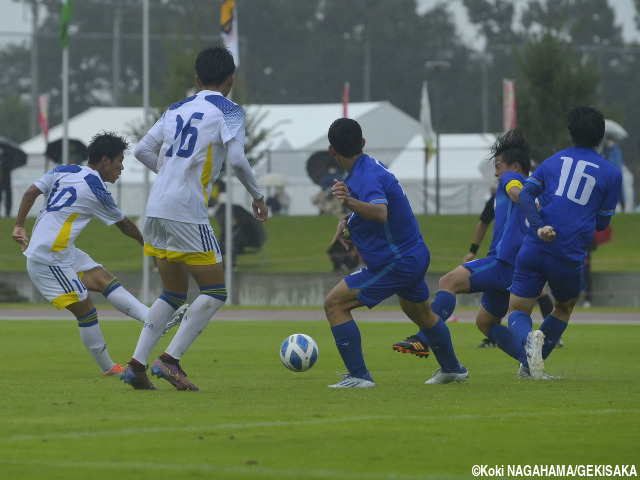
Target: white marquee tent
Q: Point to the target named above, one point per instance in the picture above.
(296, 132)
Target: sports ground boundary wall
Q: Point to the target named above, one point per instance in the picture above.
(310, 289)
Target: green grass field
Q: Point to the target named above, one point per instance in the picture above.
(299, 244)
(254, 419)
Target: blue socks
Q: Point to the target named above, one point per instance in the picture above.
(553, 328)
(349, 343)
(439, 339)
(508, 343)
(444, 304)
(520, 325)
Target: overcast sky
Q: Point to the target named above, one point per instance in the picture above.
(15, 21)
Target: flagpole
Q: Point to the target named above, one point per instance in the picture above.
(145, 108)
(229, 33)
(65, 105)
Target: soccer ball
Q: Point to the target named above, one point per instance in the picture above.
(299, 352)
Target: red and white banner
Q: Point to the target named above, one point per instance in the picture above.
(345, 99)
(508, 104)
(43, 115)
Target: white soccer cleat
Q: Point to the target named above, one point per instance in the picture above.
(441, 377)
(176, 318)
(533, 347)
(352, 382)
(523, 374)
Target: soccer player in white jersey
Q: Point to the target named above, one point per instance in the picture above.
(193, 137)
(63, 273)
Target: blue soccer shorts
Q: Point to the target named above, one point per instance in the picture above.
(535, 268)
(493, 277)
(403, 277)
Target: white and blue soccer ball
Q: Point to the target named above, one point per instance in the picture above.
(299, 352)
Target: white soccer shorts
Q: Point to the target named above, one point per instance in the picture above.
(60, 285)
(190, 243)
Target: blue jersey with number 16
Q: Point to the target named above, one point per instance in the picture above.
(574, 187)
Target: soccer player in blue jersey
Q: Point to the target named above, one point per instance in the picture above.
(187, 147)
(578, 191)
(511, 156)
(385, 230)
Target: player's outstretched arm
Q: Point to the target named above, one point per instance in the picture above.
(28, 199)
(129, 228)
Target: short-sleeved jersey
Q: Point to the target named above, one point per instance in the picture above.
(73, 196)
(380, 243)
(574, 187)
(510, 226)
(192, 134)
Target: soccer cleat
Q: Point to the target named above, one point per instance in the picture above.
(487, 343)
(448, 377)
(533, 347)
(523, 374)
(137, 379)
(176, 319)
(560, 343)
(115, 371)
(412, 345)
(353, 382)
(172, 374)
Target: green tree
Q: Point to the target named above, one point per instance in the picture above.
(554, 79)
(14, 118)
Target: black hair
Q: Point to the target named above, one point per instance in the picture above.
(106, 143)
(513, 148)
(345, 136)
(586, 126)
(214, 65)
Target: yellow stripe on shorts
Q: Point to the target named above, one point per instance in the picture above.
(189, 258)
(67, 299)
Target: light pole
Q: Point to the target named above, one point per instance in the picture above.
(437, 66)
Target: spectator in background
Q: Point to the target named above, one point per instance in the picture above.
(611, 151)
(279, 202)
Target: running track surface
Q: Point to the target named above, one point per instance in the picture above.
(363, 314)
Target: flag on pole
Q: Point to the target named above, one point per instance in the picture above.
(43, 115)
(425, 121)
(508, 104)
(229, 27)
(345, 100)
(65, 17)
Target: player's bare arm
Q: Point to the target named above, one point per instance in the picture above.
(129, 228)
(28, 199)
(340, 231)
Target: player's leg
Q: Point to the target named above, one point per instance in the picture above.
(91, 336)
(439, 337)
(213, 294)
(100, 280)
(566, 280)
(64, 289)
(192, 248)
(443, 305)
(175, 281)
(494, 306)
(337, 307)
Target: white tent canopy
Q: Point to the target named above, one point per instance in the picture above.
(296, 132)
